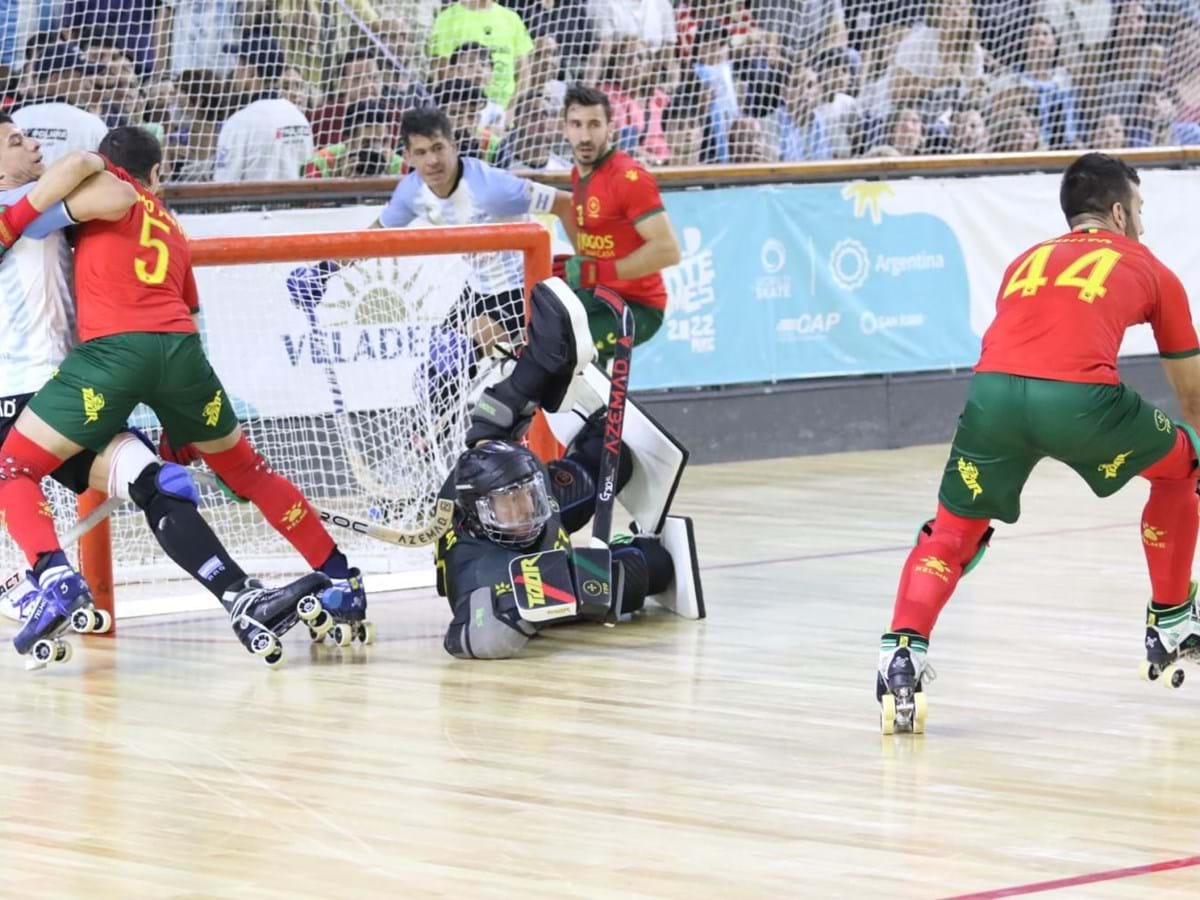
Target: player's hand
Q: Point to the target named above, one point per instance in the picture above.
(306, 284)
(184, 455)
(584, 272)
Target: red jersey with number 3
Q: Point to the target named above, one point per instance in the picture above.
(609, 203)
(1065, 304)
(134, 274)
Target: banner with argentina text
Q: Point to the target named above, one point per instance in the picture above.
(788, 282)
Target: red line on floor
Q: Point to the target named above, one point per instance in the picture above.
(1076, 880)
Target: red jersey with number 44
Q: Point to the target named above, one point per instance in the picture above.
(134, 274)
(609, 203)
(1064, 307)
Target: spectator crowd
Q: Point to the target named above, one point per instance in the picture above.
(279, 89)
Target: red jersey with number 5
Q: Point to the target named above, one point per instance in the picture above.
(609, 203)
(1065, 304)
(134, 274)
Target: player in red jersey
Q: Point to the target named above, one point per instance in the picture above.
(624, 237)
(1046, 385)
(136, 297)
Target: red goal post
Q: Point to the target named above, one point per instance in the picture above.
(530, 239)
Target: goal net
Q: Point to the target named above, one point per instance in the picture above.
(359, 393)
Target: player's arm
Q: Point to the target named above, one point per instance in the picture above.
(1184, 376)
(102, 196)
(564, 208)
(1178, 345)
(661, 250)
(40, 210)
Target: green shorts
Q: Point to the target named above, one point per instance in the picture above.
(1105, 432)
(603, 324)
(97, 386)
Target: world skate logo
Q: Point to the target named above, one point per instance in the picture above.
(294, 516)
(93, 402)
(969, 473)
(1110, 468)
(1153, 537)
(938, 568)
(212, 410)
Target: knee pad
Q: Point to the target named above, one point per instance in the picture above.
(163, 480)
(970, 556)
(128, 460)
(588, 447)
(575, 490)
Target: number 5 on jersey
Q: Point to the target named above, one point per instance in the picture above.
(1030, 276)
(157, 274)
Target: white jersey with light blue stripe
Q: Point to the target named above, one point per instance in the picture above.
(484, 194)
(37, 306)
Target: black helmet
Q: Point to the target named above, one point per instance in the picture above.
(500, 489)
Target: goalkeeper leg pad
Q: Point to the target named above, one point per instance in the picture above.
(658, 458)
(685, 595)
(559, 340)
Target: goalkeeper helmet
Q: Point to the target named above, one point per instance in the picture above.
(501, 491)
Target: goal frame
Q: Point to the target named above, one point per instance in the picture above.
(530, 239)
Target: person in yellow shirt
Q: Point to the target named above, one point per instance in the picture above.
(500, 30)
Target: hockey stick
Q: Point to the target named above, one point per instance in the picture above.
(594, 563)
(72, 534)
(420, 537)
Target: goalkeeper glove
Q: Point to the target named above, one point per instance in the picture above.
(584, 272)
(306, 284)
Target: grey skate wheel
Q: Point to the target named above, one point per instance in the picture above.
(318, 637)
(84, 620)
(263, 644)
(322, 624)
(308, 608)
(342, 634)
(62, 652)
(274, 659)
(366, 632)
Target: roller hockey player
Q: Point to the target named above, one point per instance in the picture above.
(506, 565)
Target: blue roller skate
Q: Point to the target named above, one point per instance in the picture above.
(20, 596)
(63, 601)
(260, 616)
(346, 601)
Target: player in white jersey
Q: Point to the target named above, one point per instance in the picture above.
(446, 189)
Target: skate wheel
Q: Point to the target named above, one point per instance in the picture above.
(106, 621)
(1149, 671)
(62, 652)
(1173, 676)
(263, 644)
(887, 714)
(322, 624)
(317, 637)
(342, 634)
(366, 632)
(274, 659)
(84, 620)
(43, 652)
(308, 608)
(920, 708)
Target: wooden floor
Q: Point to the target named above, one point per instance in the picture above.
(736, 757)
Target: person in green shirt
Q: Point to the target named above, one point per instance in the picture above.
(486, 22)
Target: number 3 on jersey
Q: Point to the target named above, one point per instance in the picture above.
(1030, 276)
(158, 273)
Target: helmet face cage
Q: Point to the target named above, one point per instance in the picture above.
(514, 516)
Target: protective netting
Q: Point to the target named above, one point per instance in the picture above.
(693, 81)
(359, 396)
